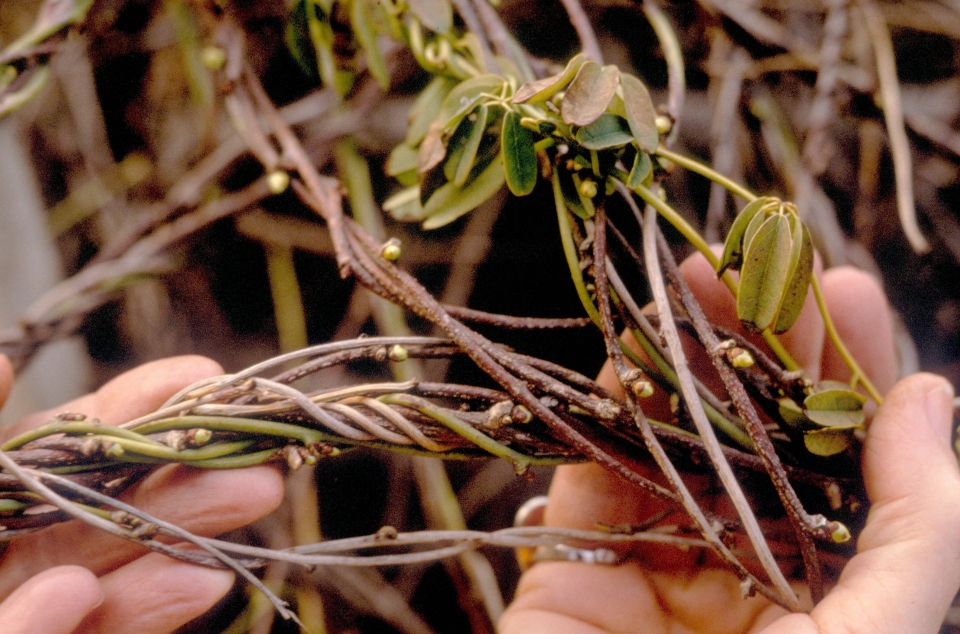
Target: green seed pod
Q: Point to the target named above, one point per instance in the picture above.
(776, 265)
(733, 247)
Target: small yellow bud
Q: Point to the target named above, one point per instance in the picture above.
(839, 533)
(664, 124)
(201, 437)
(588, 188)
(740, 358)
(278, 181)
(391, 250)
(213, 57)
(642, 389)
(398, 353)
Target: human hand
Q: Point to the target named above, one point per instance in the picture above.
(907, 569)
(71, 577)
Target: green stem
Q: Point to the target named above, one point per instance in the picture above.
(520, 462)
(570, 251)
(858, 374)
(241, 425)
(699, 168)
(80, 428)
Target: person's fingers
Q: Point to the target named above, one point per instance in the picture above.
(6, 379)
(134, 393)
(204, 502)
(907, 570)
(859, 311)
(155, 595)
(53, 602)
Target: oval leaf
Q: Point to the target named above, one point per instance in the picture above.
(766, 263)
(361, 19)
(641, 115)
(606, 132)
(405, 205)
(589, 93)
(464, 98)
(795, 295)
(733, 245)
(519, 156)
(826, 442)
(450, 202)
(542, 89)
(836, 419)
(835, 399)
(642, 171)
(426, 107)
(468, 155)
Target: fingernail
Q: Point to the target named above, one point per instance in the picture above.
(940, 410)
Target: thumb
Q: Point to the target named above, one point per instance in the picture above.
(6, 379)
(908, 567)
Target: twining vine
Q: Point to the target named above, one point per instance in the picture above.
(490, 116)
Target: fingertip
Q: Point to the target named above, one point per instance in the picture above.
(6, 378)
(907, 451)
(53, 601)
(146, 387)
(155, 595)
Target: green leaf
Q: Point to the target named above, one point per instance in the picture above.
(608, 131)
(826, 442)
(763, 276)
(733, 246)
(641, 115)
(542, 89)
(361, 19)
(757, 222)
(835, 399)
(519, 156)
(836, 419)
(450, 202)
(436, 15)
(589, 94)
(298, 41)
(426, 108)
(790, 412)
(798, 280)
(468, 149)
(321, 35)
(642, 171)
(405, 205)
(402, 164)
(463, 99)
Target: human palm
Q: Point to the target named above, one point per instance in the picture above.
(72, 578)
(907, 569)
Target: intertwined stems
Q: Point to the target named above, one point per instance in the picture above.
(783, 594)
